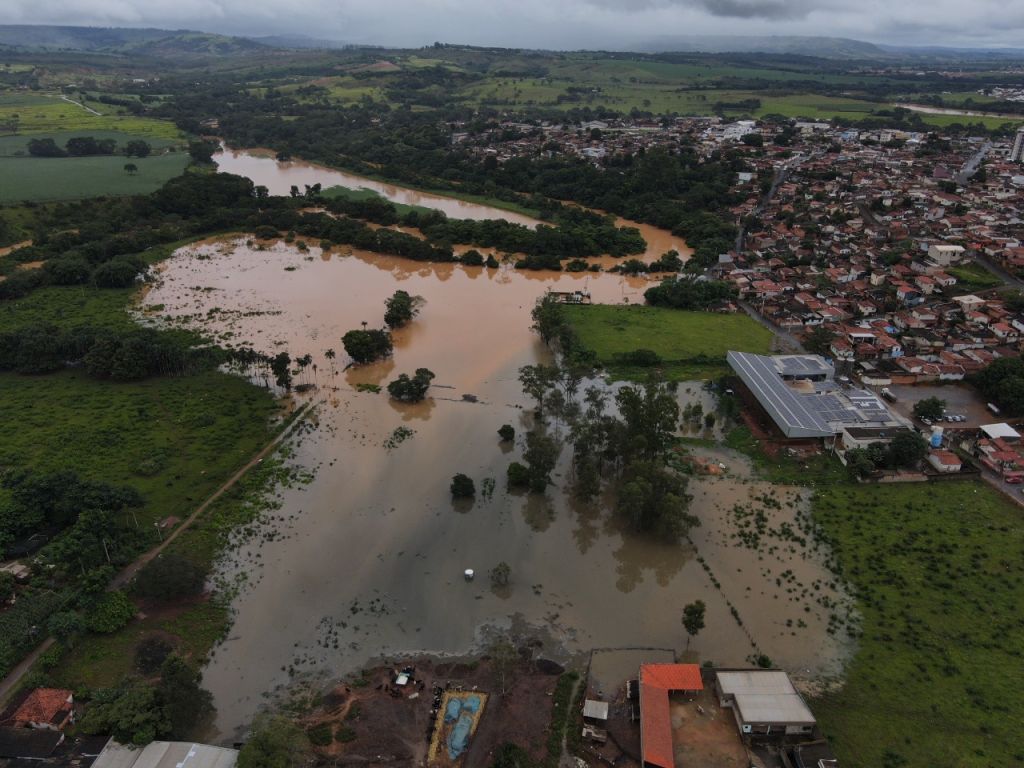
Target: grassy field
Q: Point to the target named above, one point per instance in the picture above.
(68, 178)
(974, 276)
(939, 580)
(42, 114)
(175, 439)
(691, 344)
(195, 626)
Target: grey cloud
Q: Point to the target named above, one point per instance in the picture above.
(756, 9)
(545, 24)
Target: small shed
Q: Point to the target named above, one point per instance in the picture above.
(595, 712)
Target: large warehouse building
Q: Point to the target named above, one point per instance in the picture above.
(801, 396)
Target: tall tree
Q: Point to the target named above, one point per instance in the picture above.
(693, 620)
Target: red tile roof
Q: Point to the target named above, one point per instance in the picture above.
(43, 705)
(656, 681)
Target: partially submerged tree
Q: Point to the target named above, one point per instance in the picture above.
(411, 389)
(463, 487)
(365, 346)
(401, 308)
(500, 574)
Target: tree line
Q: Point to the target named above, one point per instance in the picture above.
(86, 146)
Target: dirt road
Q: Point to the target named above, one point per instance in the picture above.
(10, 683)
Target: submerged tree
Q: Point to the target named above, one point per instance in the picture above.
(411, 389)
(365, 346)
(401, 308)
(462, 487)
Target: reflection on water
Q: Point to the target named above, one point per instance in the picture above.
(367, 560)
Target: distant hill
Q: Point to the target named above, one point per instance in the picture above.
(822, 47)
(160, 43)
(301, 42)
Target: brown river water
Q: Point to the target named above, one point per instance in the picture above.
(366, 560)
(262, 168)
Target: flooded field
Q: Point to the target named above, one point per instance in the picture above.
(278, 177)
(367, 559)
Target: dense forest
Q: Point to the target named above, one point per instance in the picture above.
(676, 191)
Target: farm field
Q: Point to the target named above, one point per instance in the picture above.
(68, 178)
(938, 577)
(42, 114)
(691, 344)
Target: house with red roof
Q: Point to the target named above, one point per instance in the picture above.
(49, 708)
(657, 683)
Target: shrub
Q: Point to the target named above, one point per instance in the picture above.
(151, 653)
(169, 577)
(110, 613)
(462, 486)
(320, 735)
(642, 357)
(507, 432)
(518, 475)
(472, 258)
(263, 232)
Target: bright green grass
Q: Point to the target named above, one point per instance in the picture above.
(938, 574)
(48, 113)
(692, 344)
(195, 430)
(67, 178)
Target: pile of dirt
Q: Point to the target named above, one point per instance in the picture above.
(371, 720)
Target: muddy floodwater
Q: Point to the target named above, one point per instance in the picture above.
(279, 177)
(366, 560)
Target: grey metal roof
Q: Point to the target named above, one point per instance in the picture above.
(597, 710)
(765, 696)
(807, 408)
(802, 365)
(166, 754)
(789, 410)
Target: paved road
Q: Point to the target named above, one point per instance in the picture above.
(786, 341)
(779, 178)
(972, 164)
(998, 271)
(10, 683)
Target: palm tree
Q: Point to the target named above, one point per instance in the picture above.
(330, 354)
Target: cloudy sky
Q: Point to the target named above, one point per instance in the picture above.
(569, 24)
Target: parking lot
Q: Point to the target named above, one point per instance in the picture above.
(961, 400)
